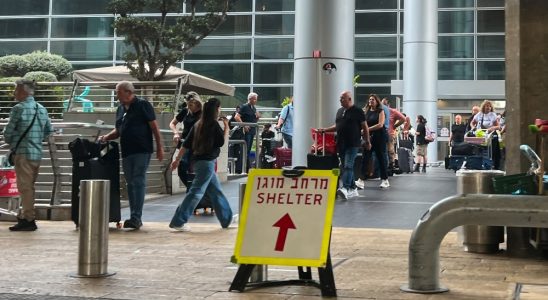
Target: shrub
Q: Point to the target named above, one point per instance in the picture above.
(13, 65)
(40, 76)
(43, 61)
(6, 96)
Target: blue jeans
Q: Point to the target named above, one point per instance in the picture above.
(135, 170)
(248, 137)
(348, 156)
(205, 183)
(184, 166)
(288, 140)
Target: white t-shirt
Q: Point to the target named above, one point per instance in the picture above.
(485, 120)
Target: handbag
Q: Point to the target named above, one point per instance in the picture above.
(278, 137)
(11, 155)
(430, 135)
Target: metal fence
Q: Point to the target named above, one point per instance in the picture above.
(59, 97)
(54, 183)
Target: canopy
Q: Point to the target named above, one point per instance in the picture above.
(190, 81)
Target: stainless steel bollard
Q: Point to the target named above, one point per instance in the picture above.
(260, 272)
(94, 216)
(480, 238)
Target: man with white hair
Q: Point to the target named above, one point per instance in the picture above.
(248, 113)
(27, 127)
(135, 125)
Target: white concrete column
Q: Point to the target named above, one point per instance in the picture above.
(327, 26)
(420, 64)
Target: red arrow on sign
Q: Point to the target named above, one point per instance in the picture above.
(285, 223)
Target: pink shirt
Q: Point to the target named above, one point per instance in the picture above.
(394, 115)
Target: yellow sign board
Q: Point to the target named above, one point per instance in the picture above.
(286, 220)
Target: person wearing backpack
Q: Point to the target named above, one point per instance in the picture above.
(422, 144)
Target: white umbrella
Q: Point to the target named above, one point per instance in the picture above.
(190, 81)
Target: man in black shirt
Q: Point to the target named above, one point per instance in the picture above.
(457, 131)
(135, 126)
(248, 114)
(350, 126)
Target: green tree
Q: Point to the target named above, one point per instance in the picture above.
(159, 42)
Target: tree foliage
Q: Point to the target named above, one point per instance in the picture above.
(159, 42)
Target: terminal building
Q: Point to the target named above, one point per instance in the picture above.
(254, 49)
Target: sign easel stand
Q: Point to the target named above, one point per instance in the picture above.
(326, 279)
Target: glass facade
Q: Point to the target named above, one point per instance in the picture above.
(254, 48)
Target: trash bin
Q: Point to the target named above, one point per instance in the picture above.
(479, 238)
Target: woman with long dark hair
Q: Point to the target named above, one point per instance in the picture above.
(205, 139)
(422, 144)
(374, 116)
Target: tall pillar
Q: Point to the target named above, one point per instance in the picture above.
(420, 64)
(526, 91)
(326, 26)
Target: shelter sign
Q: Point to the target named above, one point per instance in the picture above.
(286, 220)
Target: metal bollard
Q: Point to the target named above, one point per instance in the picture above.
(479, 238)
(94, 216)
(260, 272)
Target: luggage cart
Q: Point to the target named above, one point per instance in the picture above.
(10, 206)
(482, 161)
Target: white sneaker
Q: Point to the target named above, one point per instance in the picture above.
(385, 183)
(360, 183)
(235, 221)
(353, 193)
(184, 228)
(342, 193)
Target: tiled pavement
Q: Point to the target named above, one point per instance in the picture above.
(155, 263)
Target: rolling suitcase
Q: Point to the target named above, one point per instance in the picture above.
(105, 166)
(472, 162)
(322, 162)
(283, 157)
(405, 143)
(405, 160)
(204, 207)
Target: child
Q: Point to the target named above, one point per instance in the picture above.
(267, 151)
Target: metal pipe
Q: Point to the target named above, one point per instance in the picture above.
(260, 272)
(94, 216)
(466, 209)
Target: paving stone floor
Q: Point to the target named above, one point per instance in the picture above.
(155, 263)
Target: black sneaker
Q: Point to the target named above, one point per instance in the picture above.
(24, 225)
(132, 224)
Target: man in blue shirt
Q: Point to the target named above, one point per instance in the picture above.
(285, 123)
(135, 125)
(27, 127)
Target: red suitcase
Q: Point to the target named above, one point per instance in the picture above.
(325, 161)
(283, 157)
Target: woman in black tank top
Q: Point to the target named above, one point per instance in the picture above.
(374, 116)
